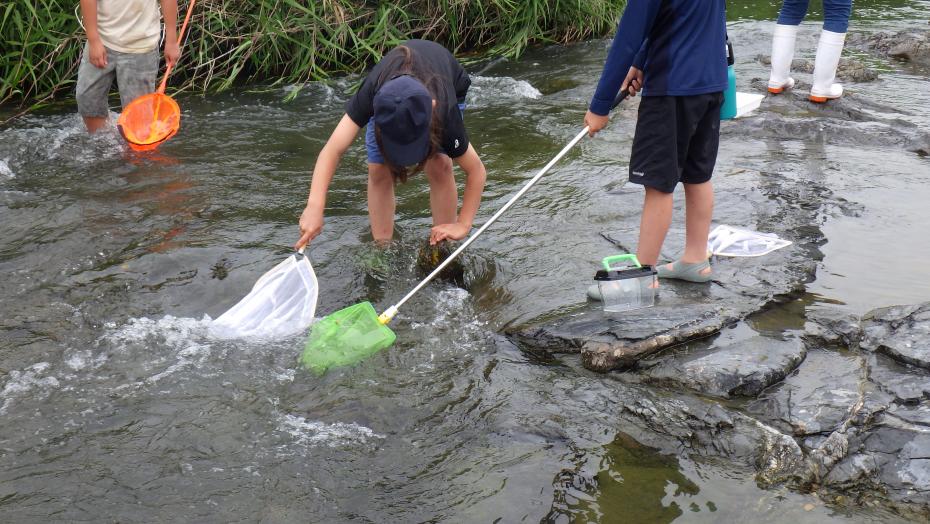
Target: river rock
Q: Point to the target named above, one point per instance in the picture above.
(832, 327)
(891, 457)
(429, 257)
(910, 46)
(908, 384)
(901, 332)
(793, 114)
(817, 398)
(848, 69)
(741, 368)
(705, 428)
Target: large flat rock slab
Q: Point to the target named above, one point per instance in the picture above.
(740, 368)
(792, 113)
(686, 311)
(817, 398)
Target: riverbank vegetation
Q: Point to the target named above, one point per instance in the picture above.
(273, 42)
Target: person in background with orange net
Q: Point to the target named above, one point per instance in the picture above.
(122, 44)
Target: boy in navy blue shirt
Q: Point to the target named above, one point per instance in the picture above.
(675, 52)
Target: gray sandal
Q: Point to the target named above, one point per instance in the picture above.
(683, 271)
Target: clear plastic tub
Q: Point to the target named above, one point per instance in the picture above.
(627, 287)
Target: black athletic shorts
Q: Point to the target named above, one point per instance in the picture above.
(676, 140)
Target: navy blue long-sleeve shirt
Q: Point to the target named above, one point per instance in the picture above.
(680, 45)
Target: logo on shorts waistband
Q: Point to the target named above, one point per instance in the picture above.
(637, 173)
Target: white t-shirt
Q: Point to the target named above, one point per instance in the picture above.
(129, 26)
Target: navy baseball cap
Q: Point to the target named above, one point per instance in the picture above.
(403, 111)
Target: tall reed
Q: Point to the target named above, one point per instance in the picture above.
(290, 41)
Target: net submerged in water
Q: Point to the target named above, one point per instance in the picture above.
(149, 121)
(282, 302)
(345, 337)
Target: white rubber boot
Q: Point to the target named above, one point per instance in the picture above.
(782, 54)
(828, 57)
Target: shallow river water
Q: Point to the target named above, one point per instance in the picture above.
(117, 405)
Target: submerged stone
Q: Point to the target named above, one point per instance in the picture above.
(855, 119)
(429, 257)
(705, 428)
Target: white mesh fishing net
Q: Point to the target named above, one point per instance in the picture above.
(282, 302)
(731, 241)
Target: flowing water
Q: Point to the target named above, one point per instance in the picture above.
(117, 405)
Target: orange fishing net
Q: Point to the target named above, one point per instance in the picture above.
(153, 118)
(149, 120)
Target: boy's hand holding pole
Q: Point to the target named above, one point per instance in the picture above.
(632, 84)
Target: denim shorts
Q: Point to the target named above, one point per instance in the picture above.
(135, 75)
(371, 144)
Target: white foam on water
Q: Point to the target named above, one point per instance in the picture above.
(28, 381)
(170, 345)
(81, 360)
(451, 331)
(175, 332)
(5, 172)
(320, 92)
(186, 338)
(59, 138)
(452, 309)
(310, 433)
(493, 90)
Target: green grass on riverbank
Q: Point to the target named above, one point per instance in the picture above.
(290, 41)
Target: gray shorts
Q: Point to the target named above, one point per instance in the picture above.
(135, 75)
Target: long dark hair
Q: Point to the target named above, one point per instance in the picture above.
(401, 61)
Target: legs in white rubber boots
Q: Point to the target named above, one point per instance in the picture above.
(836, 15)
(782, 54)
(828, 57)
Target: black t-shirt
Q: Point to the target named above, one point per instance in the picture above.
(451, 81)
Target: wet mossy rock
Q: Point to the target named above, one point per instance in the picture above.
(430, 256)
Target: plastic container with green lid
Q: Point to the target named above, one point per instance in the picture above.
(626, 287)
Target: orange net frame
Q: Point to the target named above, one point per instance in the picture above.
(151, 119)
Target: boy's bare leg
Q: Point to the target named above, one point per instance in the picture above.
(656, 218)
(699, 209)
(443, 194)
(94, 123)
(381, 202)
